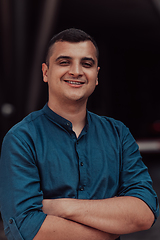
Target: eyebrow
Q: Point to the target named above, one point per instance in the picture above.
(62, 57)
(83, 59)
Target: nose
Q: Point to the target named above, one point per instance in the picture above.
(76, 70)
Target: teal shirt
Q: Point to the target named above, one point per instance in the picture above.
(42, 158)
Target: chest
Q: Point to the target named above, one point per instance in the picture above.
(84, 168)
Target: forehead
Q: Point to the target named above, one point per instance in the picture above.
(74, 50)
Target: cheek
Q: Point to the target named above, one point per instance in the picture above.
(58, 72)
(94, 74)
(94, 79)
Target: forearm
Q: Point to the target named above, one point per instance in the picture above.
(119, 215)
(56, 228)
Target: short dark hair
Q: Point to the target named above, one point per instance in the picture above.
(70, 35)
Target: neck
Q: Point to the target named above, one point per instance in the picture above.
(75, 112)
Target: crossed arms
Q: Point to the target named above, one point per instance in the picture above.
(93, 219)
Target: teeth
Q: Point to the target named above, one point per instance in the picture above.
(76, 83)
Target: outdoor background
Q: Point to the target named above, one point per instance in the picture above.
(128, 35)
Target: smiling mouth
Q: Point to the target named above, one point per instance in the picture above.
(74, 82)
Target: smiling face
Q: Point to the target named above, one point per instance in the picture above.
(72, 72)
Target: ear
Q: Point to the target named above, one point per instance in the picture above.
(45, 72)
(97, 75)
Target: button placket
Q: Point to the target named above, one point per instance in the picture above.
(82, 170)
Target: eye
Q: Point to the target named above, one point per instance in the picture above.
(64, 63)
(87, 64)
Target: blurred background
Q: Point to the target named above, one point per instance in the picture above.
(128, 35)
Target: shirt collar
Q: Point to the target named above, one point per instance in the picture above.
(60, 120)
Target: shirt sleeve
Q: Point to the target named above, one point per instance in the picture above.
(20, 193)
(134, 177)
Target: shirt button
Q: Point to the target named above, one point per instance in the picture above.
(10, 221)
(81, 163)
(68, 124)
(81, 189)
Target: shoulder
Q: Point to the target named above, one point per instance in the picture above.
(110, 130)
(108, 123)
(27, 126)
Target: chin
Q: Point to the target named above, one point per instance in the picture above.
(76, 98)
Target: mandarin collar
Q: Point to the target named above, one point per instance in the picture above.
(60, 120)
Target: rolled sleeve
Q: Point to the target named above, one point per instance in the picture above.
(134, 178)
(20, 193)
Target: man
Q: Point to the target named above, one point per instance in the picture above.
(66, 173)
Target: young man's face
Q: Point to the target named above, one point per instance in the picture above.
(72, 72)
